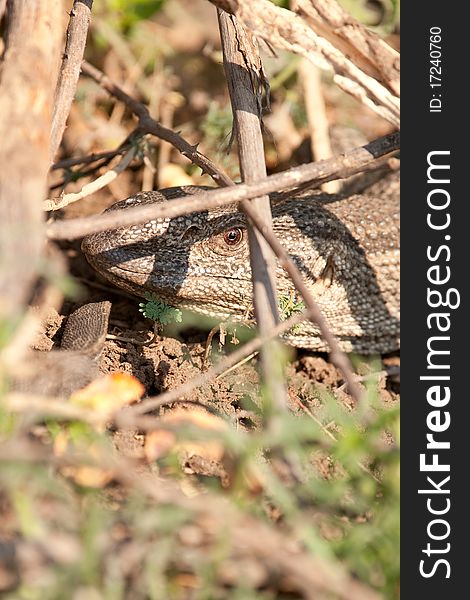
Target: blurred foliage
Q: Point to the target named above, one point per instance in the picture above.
(288, 305)
(124, 14)
(382, 15)
(344, 506)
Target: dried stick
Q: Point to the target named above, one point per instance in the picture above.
(149, 125)
(286, 30)
(93, 186)
(316, 116)
(243, 71)
(339, 167)
(67, 163)
(27, 83)
(362, 46)
(70, 70)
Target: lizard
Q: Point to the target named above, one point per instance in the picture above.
(347, 249)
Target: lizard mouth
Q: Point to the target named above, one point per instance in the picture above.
(234, 312)
(156, 274)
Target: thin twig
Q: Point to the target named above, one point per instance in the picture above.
(70, 70)
(67, 163)
(27, 403)
(237, 365)
(339, 167)
(149, 125)
(81, 173)
(93, 186)
(332, 437)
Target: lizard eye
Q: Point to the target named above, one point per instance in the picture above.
(234, 236)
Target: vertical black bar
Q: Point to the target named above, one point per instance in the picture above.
(435, 324)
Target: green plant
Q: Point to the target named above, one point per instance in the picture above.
(160, 312)
(127, 13)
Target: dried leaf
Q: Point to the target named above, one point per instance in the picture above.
(61, 441)
(158, 443)
(88, 476)
(109, 394)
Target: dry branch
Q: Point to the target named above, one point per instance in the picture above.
(149, 125)
(70, 69)
(67, 163)
(339, 167)
(363, 47)
(93, 186)
(244, 73)
(29, 73)
(285, 30)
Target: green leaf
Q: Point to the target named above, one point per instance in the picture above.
(160, 312)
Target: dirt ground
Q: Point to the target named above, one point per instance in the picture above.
(167, 362)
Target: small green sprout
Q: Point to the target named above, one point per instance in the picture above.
(160, 312)
(288, 305)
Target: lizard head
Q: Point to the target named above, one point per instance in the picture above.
(199, 261)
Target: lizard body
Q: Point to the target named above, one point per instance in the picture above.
(346, 248)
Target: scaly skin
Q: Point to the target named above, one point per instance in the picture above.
(347, 250)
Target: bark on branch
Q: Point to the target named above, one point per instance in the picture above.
(286, 30)
(29, 74)
(70, 69)
(244, 74)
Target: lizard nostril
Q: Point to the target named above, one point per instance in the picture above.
(234, 236)
(190, 232)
